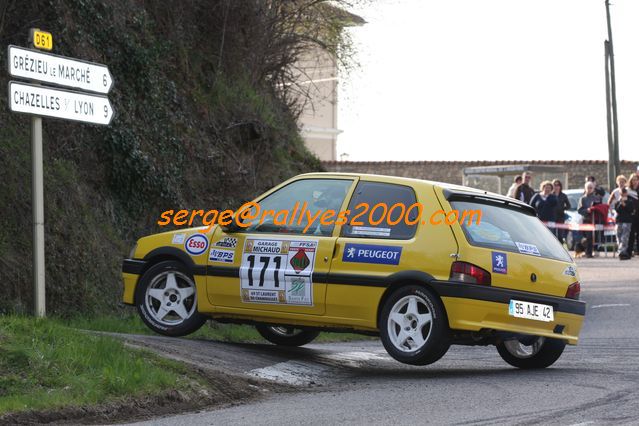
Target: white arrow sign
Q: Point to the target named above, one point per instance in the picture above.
(59, 103)
(59, 70)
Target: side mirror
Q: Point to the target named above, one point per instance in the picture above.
(230, 228)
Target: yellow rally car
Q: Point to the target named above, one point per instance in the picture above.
(421, 283)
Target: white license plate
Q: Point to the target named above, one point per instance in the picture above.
(533, 311)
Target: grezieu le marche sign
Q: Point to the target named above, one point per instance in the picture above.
(59, 70)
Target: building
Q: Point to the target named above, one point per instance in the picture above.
(318, 80)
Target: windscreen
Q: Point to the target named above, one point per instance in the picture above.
(504, 228)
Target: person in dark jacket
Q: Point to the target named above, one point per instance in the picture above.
(563, 204)
(585, 209)
(524, 192)
(625, 209)
(545, 202)
(633, 188)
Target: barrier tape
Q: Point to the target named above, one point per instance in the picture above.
(581, 227)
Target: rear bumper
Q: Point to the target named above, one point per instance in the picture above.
(474, 308)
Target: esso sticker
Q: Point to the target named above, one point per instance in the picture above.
(196, 244)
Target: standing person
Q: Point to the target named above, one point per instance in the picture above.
(584, 208)
(545, 202)
(514, 186)
(524, 192)
(598, 189)
(563, 204)
(625, 209)
(615, 195)
(633, 239)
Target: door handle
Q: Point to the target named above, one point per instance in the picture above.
(335, 250)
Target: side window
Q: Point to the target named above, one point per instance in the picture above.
(393, 219)
(297, 207)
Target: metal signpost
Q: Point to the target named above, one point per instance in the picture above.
(42, 101)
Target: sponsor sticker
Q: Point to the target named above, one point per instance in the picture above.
(570, 271)
(500, 262)
(196, 244)
(178, 239)
(527, 249)
(228, 242)
(221, 255)
(277, 271)
(368, 253)
(370, 231)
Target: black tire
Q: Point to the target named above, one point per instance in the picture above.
(541, 357)
(435, 334)
(171, 324)
(286, 336)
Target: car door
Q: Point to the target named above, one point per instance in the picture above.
(367, 251)
(279, 260)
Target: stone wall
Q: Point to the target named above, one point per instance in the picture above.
(451, 171)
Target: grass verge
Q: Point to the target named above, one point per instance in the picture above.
(46, 365)
(212, 330)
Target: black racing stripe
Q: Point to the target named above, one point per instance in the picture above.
(133, 266)
(234, 272)
(353, 279)
(218, 271)
(443, 289)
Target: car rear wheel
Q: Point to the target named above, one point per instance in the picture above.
(532, 352)
(286, 336)
(414, 327)
(166, 300)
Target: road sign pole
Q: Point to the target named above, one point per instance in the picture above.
(38, 218)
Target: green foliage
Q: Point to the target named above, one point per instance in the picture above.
(199, 124)
(46, 365)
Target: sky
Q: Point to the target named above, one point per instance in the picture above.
(488, 80)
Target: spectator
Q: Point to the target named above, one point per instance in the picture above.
(545, 202)
(563, 204)
(598, 189)
(625, 208)
(616, 194)
(524, 192)
(633, 239)
(584, 208)
(542, 199)
(514, 186)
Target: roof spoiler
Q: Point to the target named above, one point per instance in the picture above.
(488, 198)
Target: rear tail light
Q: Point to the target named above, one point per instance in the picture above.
(573, 291)
(469, 273)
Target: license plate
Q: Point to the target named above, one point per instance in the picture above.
(533, 311)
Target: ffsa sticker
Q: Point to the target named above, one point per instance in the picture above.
(196, 244)
(527, 249)
(278, 271)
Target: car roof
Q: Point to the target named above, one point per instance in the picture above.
(448, 188)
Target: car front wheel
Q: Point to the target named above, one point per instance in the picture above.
(286, 336)
(531, 352)
(414, 327)
(166, 300)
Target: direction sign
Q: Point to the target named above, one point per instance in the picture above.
(59, 70)
(59, 103)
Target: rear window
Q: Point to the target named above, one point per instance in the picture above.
(511, 230)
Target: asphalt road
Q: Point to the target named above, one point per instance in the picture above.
(596, 382)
